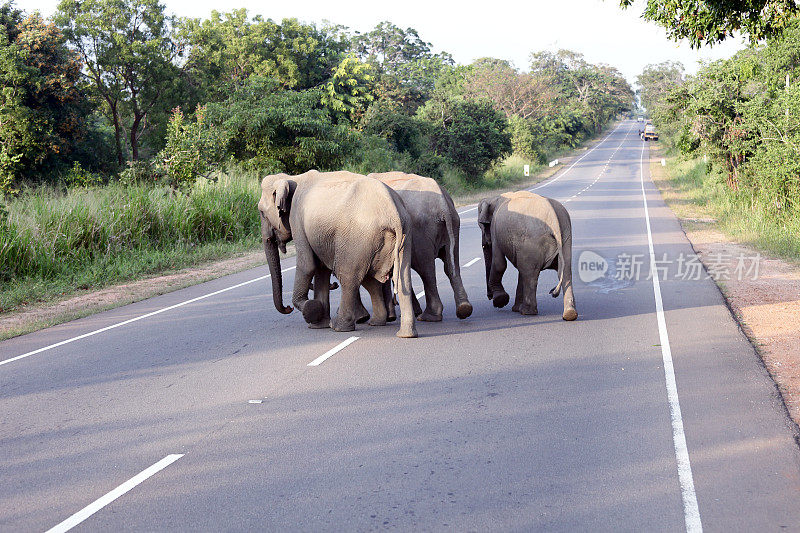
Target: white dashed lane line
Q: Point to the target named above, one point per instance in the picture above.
(422, 293)
(471, 262)
(333, 351)
(600, 175)
(101, 502)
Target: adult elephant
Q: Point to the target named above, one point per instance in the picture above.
(342, 223)
(435, 227)
(534, 233)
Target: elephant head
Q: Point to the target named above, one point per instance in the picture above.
(485, 214)
(274, 207)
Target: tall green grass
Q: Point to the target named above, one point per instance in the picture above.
(53, 241)
(744, 215)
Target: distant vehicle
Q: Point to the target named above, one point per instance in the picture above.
(649, 133)
(640, 119)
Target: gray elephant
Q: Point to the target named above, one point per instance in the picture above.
(436, 228)
(534, 233)
(342, 223)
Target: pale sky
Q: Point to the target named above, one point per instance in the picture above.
(498, 28)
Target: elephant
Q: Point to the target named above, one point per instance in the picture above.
(436, 226)
(534, 233)
(342, 223)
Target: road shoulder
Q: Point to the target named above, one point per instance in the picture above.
(762, 292)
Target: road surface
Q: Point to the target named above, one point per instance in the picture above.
(198, 410)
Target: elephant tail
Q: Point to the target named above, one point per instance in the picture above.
(452, 235)
(399, 246)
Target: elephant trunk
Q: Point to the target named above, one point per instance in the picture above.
(487, 259)
(274, 261)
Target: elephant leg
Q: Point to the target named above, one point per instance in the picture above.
(388, 299)
(345, 319)
(379, 310)
(518, 299)
(433, 303)
(415, 303)
(499, 264)
(405, 294)
(313, 310)
(361, 313)
(452, 269)
(530, 284)
(322, 287)
(569, 302)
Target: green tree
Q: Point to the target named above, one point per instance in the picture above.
(520, 94)
(193, 148)
(43, 109)
(227, 48)
(350, 90)
(271, 129)
(407, 68)
(472, 136)
(656, 81)
(707, 22)
(129, 50)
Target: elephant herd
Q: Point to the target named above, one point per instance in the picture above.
(370, 231)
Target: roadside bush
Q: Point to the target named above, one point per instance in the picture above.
(193, 149)
(138, 172)
(77, 176)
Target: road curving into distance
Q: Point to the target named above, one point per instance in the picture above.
(205, 409)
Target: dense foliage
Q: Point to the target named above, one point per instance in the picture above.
(743, 115)
(122, 89)
(712, 21)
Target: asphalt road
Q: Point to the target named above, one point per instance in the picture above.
(205, 416)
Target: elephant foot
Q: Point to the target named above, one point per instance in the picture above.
(322, 324)
(427, 316)
(463, 310)
(362, 318)
(500, 300)
(313, 311)
(377, 322)
(528, 310)
(407, 333)
(340, 326)
(570, 315)
(391, 318)
(516, 307)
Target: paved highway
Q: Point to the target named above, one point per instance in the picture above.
(198, 410)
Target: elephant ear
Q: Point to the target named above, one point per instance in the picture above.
(283, 196)
(485, 212)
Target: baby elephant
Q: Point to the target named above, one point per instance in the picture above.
(534, 233)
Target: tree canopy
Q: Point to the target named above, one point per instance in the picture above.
(708, 22)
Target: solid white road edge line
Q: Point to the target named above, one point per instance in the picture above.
(101, 502)
(690, 509)
(136, 319)
(420, 295)
(338, 348)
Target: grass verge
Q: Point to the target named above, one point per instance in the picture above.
(700, 197)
